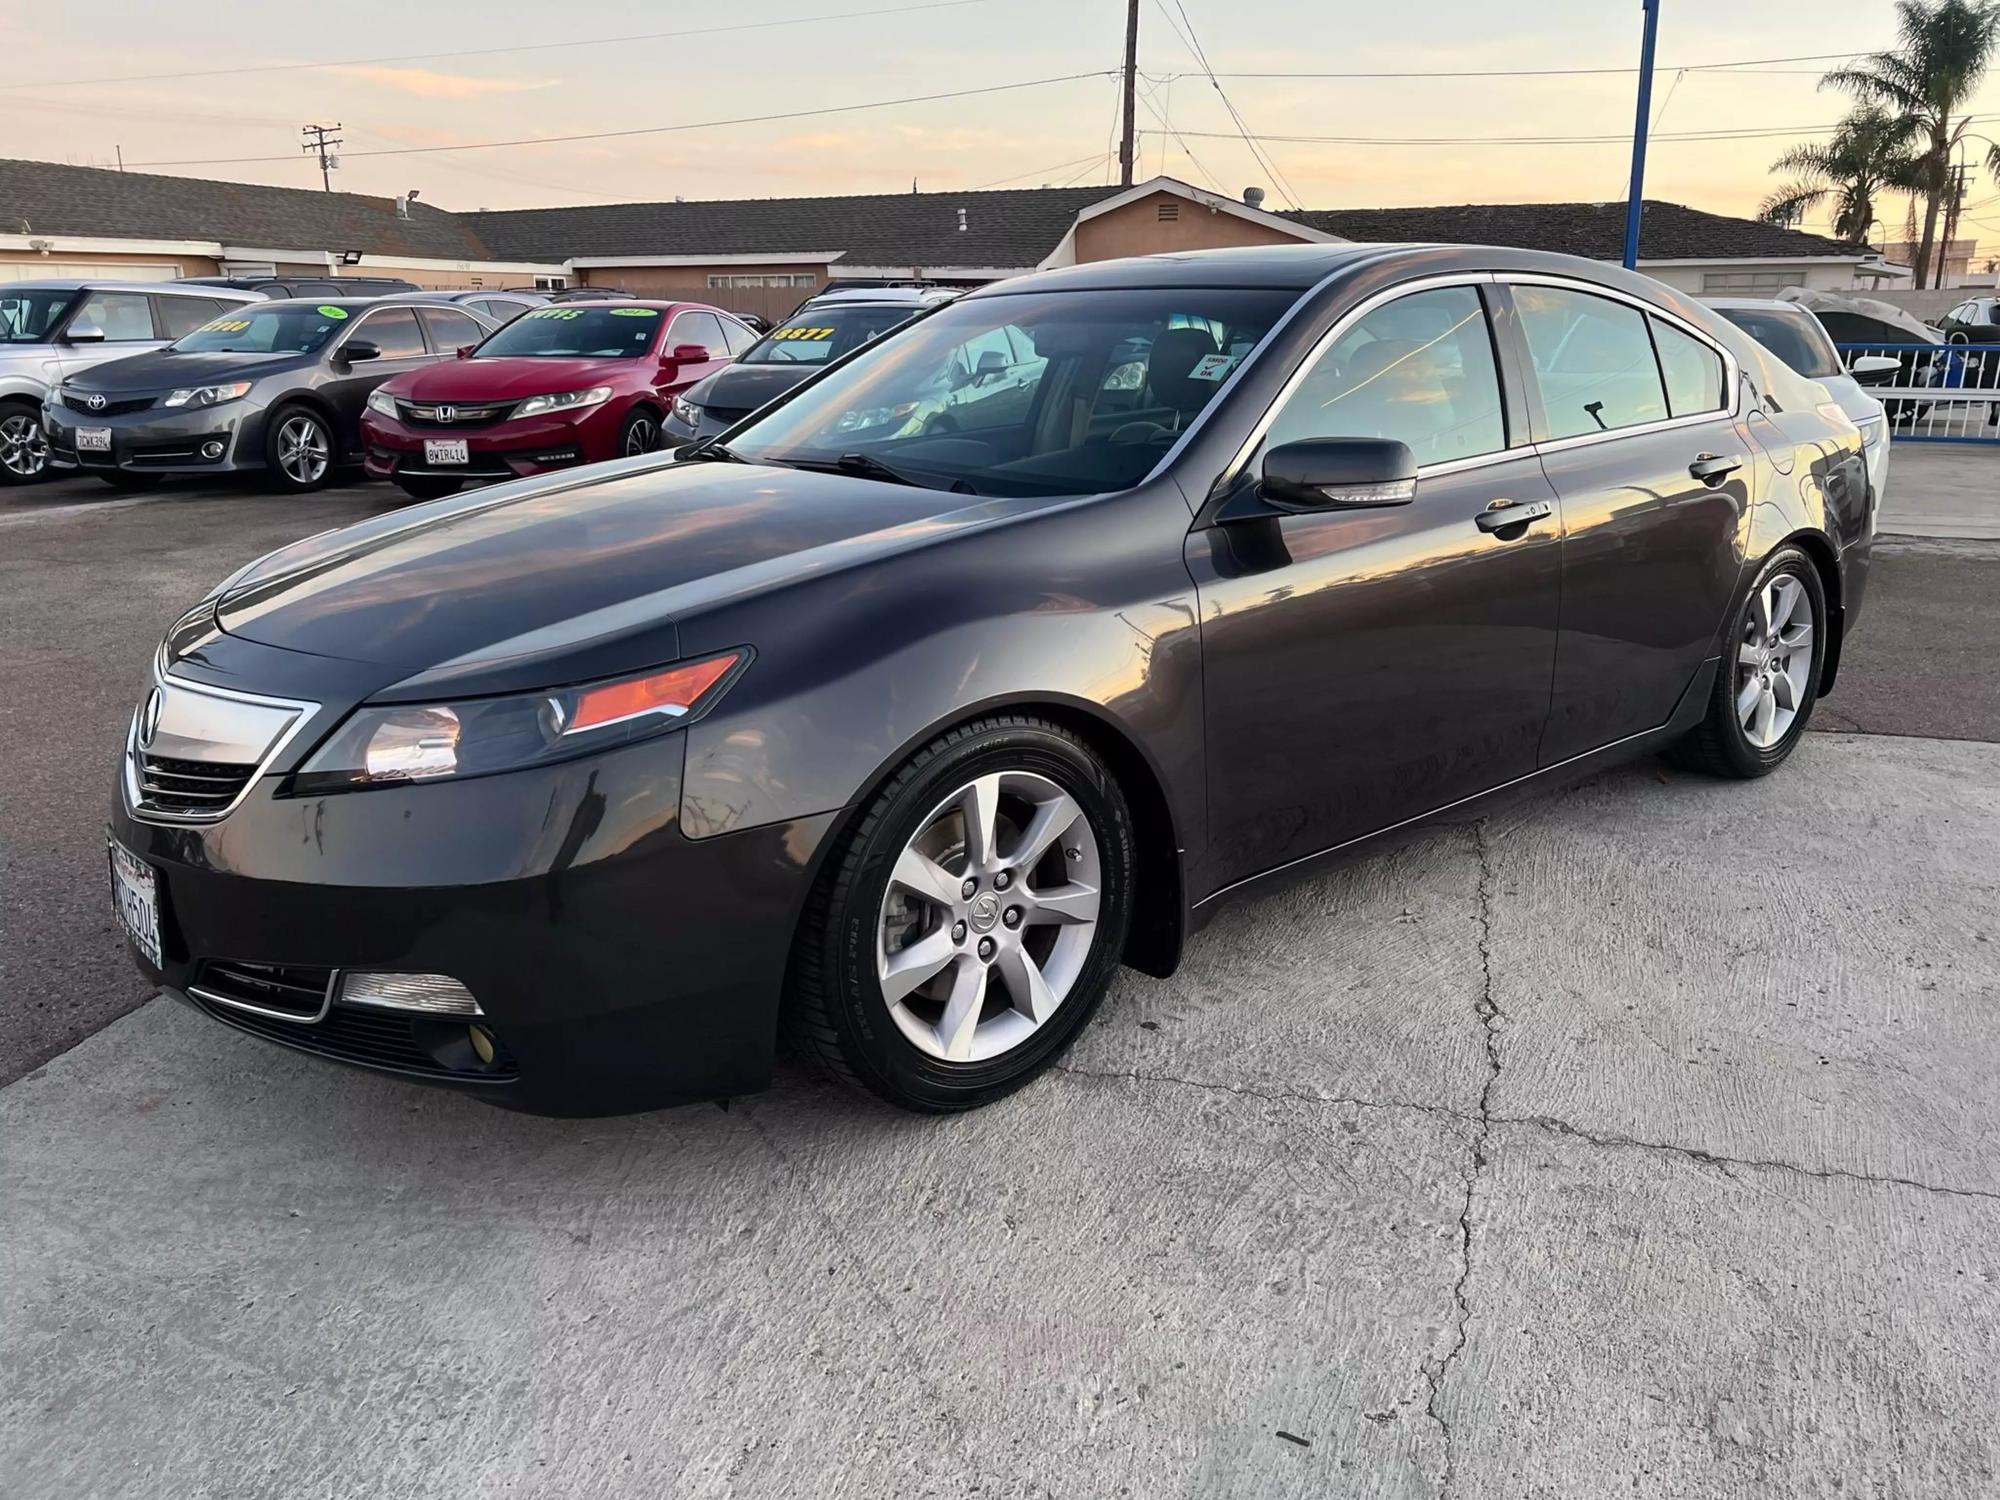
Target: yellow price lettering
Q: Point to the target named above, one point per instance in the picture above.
(226, 325)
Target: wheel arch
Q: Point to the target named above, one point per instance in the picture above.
(1159, 907)
(1826, 562)
(318, 405)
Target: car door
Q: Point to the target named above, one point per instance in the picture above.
(1634, 412)
(1362, 667)
(124, 318)
(692, 327)
(394, 332)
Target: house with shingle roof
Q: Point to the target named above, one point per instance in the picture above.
(764, 255)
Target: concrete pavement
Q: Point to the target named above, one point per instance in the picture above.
(1943, 490)
(1638, 1140)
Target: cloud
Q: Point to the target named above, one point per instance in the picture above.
(428, 83)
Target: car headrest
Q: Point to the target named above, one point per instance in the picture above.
(1175, 353)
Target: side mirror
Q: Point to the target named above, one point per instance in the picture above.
(356, 350)
(688, 354)
(465, 350)
(991, 364)
(83, 333)
(1339, 474)
(1874, 369)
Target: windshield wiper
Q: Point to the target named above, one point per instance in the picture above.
(867, 466)
(712, 448)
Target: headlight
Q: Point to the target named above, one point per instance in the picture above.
(686, 411)
(380, 400)
(534, 406)
(208, 395)
(1874, 432)
(426, 741)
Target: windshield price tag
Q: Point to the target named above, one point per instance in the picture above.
(336, 313)
(803, 333)
(1212, 367)
(564, 313)
(635, 312)
(226, 325)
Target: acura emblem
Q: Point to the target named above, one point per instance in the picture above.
(149, 720)
(94, 402)
(447, 414)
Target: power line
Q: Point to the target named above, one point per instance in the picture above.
(1093, 159)
(1710, 67)
(607, 135)
(1257, 154)
(406, 57)
(1616, 137)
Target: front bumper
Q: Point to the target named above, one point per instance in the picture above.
(161, 440)
(620, 965)
(511, 449)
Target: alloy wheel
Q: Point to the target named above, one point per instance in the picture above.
(643, 436)
(989, 917)
(24, 450)
(303, 449)
(1774, 661)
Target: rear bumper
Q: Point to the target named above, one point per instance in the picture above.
(504, 450)
(619, 965)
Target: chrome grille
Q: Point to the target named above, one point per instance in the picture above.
(190, 786)
(283, 991)
(451, 414)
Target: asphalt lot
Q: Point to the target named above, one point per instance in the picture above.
(1641, 1139)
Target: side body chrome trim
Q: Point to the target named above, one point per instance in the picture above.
(301, 710)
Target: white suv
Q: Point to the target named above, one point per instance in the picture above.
(51, 329)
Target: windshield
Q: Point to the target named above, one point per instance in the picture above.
(281, 329)
(572, 332)
(1047, 393)
(26, 317)
(813, 338)
(1795, 337)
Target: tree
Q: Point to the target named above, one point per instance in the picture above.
(1871, 153)
(1946, 47)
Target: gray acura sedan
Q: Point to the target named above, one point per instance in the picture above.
(578, 792)
(276, 388)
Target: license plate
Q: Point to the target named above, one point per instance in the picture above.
(445, 451)
(135, 895)
(93, 440)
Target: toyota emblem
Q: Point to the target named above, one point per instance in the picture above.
(447, 414)
(149, 720)
(94, 402)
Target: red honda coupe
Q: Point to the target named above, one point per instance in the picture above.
(572, 383)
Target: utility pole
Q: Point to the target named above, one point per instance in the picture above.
(1635, 198)
(1959, 184)
(318, 139)
(1125, 141)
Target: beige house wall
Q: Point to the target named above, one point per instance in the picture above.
(27, 265)
(691, 284)
(1138, 229)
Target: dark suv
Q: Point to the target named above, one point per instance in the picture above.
(309, 286)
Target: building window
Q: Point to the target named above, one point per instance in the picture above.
(1747, 281)
(1169, 212)
(718, 283)
(551, 283)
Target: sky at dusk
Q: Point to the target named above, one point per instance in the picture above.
(54, 106)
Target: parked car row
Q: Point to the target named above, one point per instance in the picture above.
(430, 390)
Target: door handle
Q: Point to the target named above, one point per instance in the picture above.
(1504, 515)
(1710, 469)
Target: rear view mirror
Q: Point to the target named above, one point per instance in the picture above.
(1339, 474)
(355, 350)
(84, 333)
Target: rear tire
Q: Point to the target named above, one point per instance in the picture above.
(1012, 971)
(299, 450)
(428, 489)
(1769, 678)
(24, 449)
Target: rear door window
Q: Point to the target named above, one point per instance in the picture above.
(1593, 360)
(1693, 371)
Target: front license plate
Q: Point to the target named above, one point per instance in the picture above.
(135, 894)
(93, 440)
(445, 451)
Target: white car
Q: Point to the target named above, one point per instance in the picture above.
(1798, 338)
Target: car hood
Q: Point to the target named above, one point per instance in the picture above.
(567, 578)
(742, 388)
(163, 370)
(503, 378)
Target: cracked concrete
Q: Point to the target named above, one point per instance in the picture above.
(1638, 1140)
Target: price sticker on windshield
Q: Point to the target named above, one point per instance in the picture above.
(226, 325)
(813, 334)
(635, 312)
(336, 313)
(564, 313)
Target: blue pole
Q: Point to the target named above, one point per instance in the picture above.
(1634, 203)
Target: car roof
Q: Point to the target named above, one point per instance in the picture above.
(884, 296)
(1759, 304)
(94, 284)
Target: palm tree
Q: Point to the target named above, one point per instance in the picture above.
(1869, 154)
(1946, 46)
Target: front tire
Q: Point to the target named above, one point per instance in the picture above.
(967, 927)
(640, 432)
(420, 488)
(1769, 677)
(24, 448)
(299, 450)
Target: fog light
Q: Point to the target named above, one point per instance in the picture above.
(433, 994)
(482, 1043)
(211, 449)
